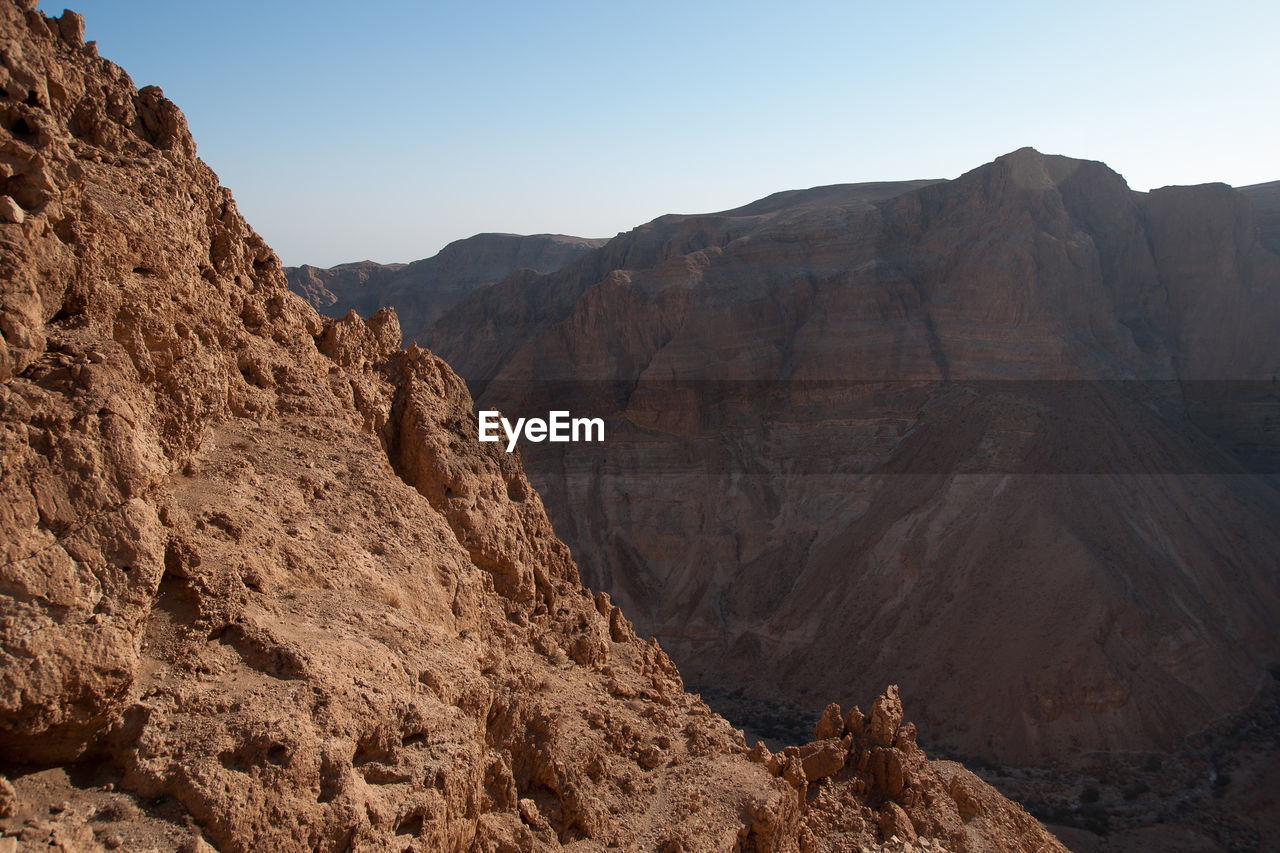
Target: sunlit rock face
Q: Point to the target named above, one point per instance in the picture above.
(261, 588)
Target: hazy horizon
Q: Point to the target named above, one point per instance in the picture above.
(350, 136)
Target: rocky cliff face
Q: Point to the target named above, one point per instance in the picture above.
(261, 588)
(1011, 437)
(424, 290)
(1266, 201)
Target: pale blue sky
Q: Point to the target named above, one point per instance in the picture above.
(386, 132)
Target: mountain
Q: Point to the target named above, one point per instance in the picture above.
(1266, 201)
(865, 420)
(425, 289)
(262, 589)
(1011, 438)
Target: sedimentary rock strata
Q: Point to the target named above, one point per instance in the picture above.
(1017, 429)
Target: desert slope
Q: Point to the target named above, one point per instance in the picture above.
(261, 589)
(1015, 432)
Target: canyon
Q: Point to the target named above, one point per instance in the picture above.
(1009, 440)
(261, 588)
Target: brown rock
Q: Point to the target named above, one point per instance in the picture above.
(886, 717)
(894, 822)
(10, 211)
(830, 725)
(888, 773)
(71, 28)
(967, 800)
(793, 773)
(905, 739)
(760, 753)
(854, 722)
(822, 758)
(167, 127)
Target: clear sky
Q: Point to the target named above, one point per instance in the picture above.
(383, 131)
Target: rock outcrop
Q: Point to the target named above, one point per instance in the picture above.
(260, 587)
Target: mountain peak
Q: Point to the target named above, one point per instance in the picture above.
(1029, 169)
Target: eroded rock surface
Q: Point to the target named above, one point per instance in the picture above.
(261, 589)
(1008, 428)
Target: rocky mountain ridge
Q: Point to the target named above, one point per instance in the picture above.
(260, 588)
(1016, 431)
(837, 377)
(424, 290)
